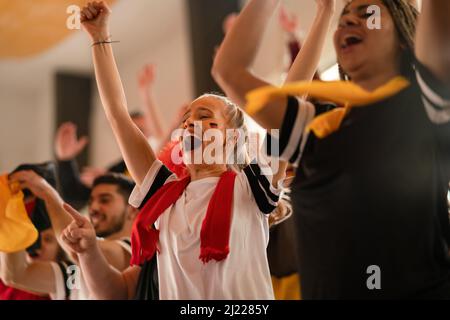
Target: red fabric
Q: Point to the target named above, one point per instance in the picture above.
(8, 293)
(29, 206)
(165, 156)
(294, 49)
(215, 232)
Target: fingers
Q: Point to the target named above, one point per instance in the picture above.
(74, 233)
(18, 176)
(82, 143)
(68, 237)
(83, 17)
(67, 129)
(93, 9)
(78, 238)
(19, 181)
(87, 13)
(67, 134)
(22, 177)
(71, 242)
(80, 234)
(76, 216)
(101, 6)
(67, 126)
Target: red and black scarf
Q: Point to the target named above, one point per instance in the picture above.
(215, 232)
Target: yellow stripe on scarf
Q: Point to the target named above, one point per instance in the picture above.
(344, 93)
(17, 232)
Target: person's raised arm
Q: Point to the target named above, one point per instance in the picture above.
(231, 68)
(307, 61)
(152, 113)
(67, 148)
(432, 38)
(102, 280)
(305, 65)
(135, 149)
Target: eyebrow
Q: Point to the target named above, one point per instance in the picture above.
(204, 109)
(359, 8)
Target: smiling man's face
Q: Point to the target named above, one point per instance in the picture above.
(107, 209)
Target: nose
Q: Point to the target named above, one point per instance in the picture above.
(188, 123)
(93, 207)
(350, 20)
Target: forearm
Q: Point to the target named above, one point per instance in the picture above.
(12, 267)
(103, 281)
(433, 39)
(72, 189)
(242, 42)
(58, 216)
(137, 153)
(15, 271)
(307, 61)
(153, 115)
(236, 54)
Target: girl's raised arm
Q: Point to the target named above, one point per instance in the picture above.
(136, 151)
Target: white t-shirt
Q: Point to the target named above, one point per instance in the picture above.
(244, 274)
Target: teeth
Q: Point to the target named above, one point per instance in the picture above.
(96, 218)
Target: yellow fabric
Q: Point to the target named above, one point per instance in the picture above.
(287, 288)
(343, 93)
(31, 27)
(17, 232)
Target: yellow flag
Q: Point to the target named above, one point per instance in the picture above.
(17, 232)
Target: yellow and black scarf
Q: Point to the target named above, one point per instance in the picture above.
(343, 93)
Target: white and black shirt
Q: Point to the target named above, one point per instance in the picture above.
(244, 274)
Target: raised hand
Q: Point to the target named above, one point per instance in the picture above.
(147, 76)
(95, 20)
(28, 179)
(79, 235)
(67, 145)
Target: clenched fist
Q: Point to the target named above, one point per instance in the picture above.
(95, 20)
